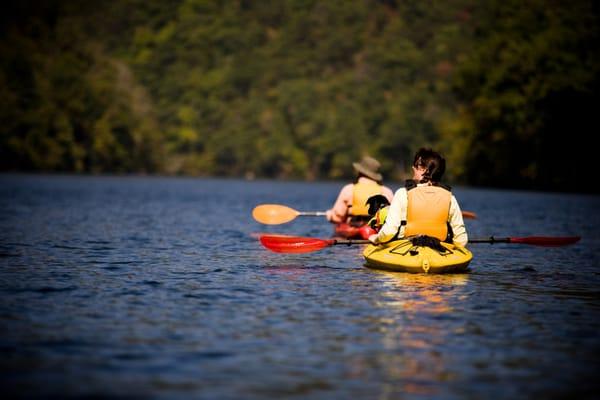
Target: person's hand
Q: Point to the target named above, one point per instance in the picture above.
(373, 239)
(329, 215)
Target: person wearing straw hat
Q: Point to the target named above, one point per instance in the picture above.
(351, 205)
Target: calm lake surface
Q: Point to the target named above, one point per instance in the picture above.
(142, 287)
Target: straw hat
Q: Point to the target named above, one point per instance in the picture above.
(369, 167)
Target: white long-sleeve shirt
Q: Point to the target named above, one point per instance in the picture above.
(397, 214)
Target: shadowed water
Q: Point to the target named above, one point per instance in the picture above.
(157, 288)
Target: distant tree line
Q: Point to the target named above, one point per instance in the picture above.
(506, 89)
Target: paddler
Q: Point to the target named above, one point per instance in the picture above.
(351, 204)
(425, 206)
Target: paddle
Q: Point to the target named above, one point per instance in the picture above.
(293, 244)
(274, 214)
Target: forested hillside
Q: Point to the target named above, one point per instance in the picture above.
(506, 89)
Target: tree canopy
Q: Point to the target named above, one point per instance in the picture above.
(301, 88)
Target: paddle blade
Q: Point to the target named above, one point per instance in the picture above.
(547, 241)
(469, 215)
(291, 244)
(273, 214)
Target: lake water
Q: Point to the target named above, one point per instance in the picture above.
(144, 287)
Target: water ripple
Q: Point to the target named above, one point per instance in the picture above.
(163, 291)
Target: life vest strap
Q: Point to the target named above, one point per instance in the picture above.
(429, 241)
(410, 184)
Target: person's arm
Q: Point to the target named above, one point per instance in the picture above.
(392, 221)
(339, 211)
(457, 223)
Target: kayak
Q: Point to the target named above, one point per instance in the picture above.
(402, 255)
(347, 231)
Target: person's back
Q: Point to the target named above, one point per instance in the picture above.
(351, 204)
(424, 206)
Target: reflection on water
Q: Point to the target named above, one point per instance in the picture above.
(416, 293)
(412, 337)
(150, 287)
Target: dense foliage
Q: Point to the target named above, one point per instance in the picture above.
(301, 88)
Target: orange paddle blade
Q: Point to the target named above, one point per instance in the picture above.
(273, 214)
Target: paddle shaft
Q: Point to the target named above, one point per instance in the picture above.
(534, 240)
(348, 242)
(291, 244)
(548, 241)
(465, 214)
(312, 213)
(490, 240)
(274, 214)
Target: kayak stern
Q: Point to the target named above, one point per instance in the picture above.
(403, 256)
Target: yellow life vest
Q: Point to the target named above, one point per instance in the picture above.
(427, 211)
(361, 193)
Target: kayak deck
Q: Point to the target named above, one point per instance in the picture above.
(402, 255)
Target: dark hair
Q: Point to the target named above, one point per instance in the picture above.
(434, 164)
(376, 202)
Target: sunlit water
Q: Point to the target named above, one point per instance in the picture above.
(158, 288)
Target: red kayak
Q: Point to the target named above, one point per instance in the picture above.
(348, 231)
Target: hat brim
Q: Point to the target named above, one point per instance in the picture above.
(373, 175)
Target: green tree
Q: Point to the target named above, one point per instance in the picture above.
(528, 89)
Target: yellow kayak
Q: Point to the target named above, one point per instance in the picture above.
(402, 255)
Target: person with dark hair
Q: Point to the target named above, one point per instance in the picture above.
(351, 204)
(425, 206)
